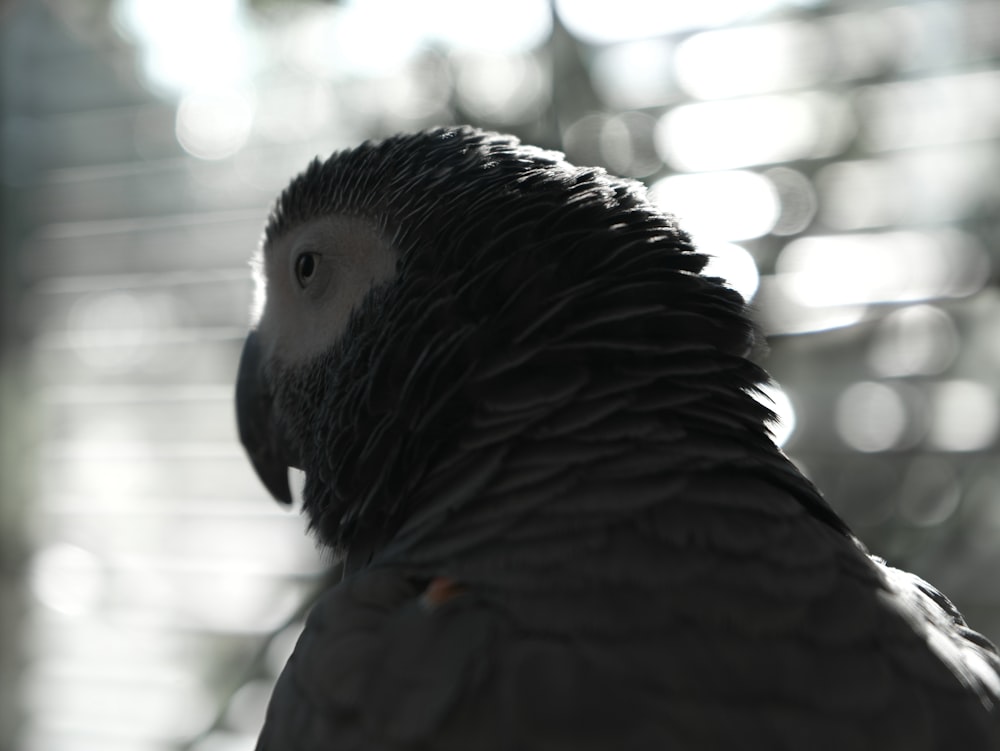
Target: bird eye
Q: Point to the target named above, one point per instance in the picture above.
(305, 268)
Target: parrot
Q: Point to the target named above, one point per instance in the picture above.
(532, 430)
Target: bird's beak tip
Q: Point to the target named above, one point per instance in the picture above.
(274, 477)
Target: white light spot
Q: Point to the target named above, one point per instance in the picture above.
(626, 144)
(734, 264)
(871, 416)
(214, 125)
(372, 38)
(797, 197)
(634, 74)
(377, 38)
(188, 44)
(964, 416)
(66, 579)
(307, 41)
(751, 60)
(782, 312)
(719, 205)
(760, 130)
(517, 26)
(885, 267)
(501, 88)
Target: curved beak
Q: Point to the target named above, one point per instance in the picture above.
(260, 434)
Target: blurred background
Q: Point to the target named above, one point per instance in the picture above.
(840, 160)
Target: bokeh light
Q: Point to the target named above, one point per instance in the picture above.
(871, 416)
(964, 415)
(626, 144)
(734, 264)
(916, 340)
(797, 198)
(360, 42)
(782, 312)
(188, 44)
(719, 205)
(954, 109)
(752, 60)
(634, 74)
(622, 143)
(520, 26)
(760, 130)
(836, 161)
(504, 89)
(66, 578)
(885, 267)
(214, 125)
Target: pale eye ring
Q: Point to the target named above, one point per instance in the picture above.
(305, 268)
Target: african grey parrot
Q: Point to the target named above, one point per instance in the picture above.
(528, 423)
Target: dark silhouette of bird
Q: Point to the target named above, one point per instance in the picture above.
(530, 427)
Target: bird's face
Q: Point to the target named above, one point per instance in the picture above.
(309, 279)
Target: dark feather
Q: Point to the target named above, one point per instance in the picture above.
(550, 406)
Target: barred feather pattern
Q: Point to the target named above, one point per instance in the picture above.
(551, 406)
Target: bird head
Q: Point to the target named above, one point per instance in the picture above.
(408, 286)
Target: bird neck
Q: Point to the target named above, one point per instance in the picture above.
(553, 457)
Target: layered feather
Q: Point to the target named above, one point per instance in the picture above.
(551, 406)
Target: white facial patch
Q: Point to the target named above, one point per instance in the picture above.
(301, 309)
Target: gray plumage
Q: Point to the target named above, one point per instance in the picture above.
(528, 421)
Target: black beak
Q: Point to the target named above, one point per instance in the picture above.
(261, 436)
